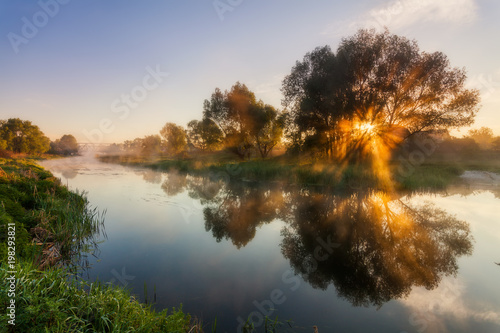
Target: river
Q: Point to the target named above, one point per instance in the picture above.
(364, 261)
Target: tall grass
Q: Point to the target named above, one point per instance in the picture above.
(52, 223)
(53, 300)
(71, 225)
(54, 228)
(429, 176)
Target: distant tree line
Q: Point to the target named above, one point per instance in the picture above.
(470, 146)
(234, 120)
(66, 145)
(376, 90)
(21, 136)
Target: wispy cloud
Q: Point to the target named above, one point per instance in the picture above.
(428, 309)
(487, 84)
(404, 13)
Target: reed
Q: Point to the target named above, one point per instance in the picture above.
(54, 229)
(56, 301)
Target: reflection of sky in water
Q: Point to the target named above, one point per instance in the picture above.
(474, 295)
(163, 240)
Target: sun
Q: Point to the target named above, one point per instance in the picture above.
(366, 127)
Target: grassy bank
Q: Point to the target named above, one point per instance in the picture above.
(52, 227)
(433, 174)
(277, 169)
(53, 301)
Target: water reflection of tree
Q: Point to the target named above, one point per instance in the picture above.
(150, 176)
(69, 173)
(174, 183)
(237, 211)
(473, 189)
(204, 189)
(372, 246)
(385, 247)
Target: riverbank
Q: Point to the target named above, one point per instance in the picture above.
(44, 228)
(433, 174)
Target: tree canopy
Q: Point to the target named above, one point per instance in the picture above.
(376, 84)
(267, 129)
(21, 136)
(66, 145)
(205, 134)
(483, 136)
(150, 144)
(175, 137)
(246, 123)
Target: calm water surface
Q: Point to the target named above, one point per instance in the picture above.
(366, 261)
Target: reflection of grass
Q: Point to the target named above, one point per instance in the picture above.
(54, 225)
(270, 325)
(433, 174)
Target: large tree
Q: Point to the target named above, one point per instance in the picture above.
(23, 137)
(245, 122)
(175, 137)
(267, 128)
(66, 145)
(376, 84)
(151, 145)
(231, 111)
(314, 96)
(205, 134)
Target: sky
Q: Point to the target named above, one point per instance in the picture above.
(108, 71)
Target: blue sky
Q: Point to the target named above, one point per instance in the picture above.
(70, 67)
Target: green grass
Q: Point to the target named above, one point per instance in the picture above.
(428, 177)
(45, 214)
(52, 300)
(279, 169)
(432, 175)
(54, 226)
(438, 172)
